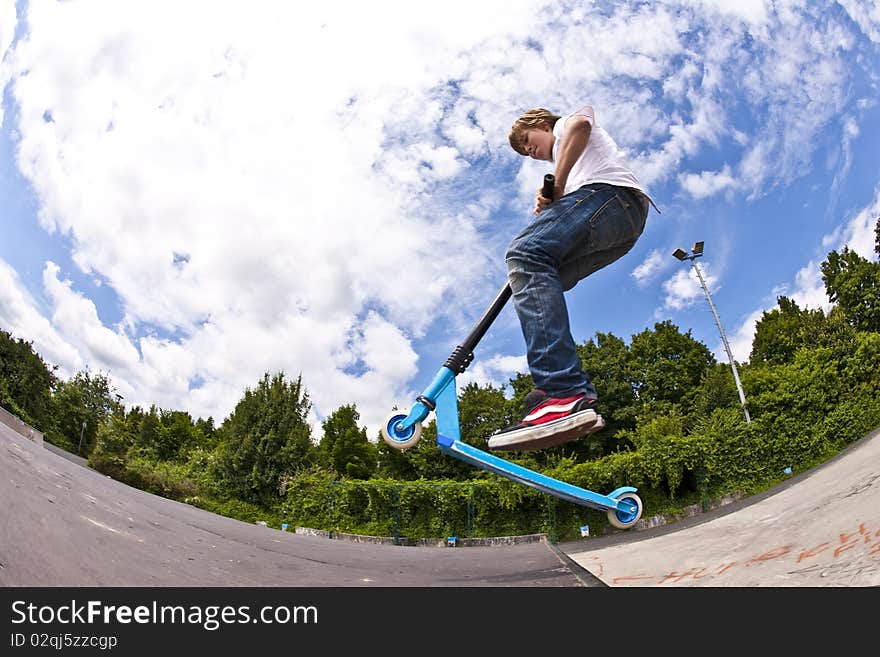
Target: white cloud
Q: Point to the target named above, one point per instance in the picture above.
(655, 263)
(850, 133)
(497, 371)
(859, 233)
(809, 290)
(707, 183)
(77, 318)
(21, 315)
(740, 342)
(866, 13)
(753, 12)
(8, 22)
(684, 289)
(238, 189)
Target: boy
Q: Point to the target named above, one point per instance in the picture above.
(597, 213)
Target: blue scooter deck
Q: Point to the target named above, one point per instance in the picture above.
(543, 483)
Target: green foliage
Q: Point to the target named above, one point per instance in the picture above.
(265, 437)
(113, 440)
(781, 332)
(877, 237)
(394, 464)
(853, 283)
(859, 372)
(656, 430)
(482, 410)
(80, 406)
(668, 365)
(163, 478)
(438, 508)
(345, 447)
(802, 412)
(167, 435)
(424, 460)
(717, 389)
(609, 363)
(26, 382)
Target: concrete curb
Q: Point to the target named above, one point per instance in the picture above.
(687, 512)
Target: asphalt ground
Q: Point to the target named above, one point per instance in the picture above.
(62, 524)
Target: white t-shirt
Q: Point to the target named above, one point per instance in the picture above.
(601, 162)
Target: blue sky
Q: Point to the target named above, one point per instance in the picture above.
(186, 204)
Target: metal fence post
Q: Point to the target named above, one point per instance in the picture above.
(551, 517)
(395, 520)
(470, 513)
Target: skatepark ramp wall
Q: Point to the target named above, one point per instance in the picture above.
(22, 427)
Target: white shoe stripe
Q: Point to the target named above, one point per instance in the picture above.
(553, 408)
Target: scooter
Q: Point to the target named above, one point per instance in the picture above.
(403, 431)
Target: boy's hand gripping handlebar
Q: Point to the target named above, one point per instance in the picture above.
(549, 184)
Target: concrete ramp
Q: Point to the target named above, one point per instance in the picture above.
(820, 528)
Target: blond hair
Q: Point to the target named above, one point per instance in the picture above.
(534, 118)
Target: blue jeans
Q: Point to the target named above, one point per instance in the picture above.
(576, 235)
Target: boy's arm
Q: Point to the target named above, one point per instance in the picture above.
(574, 141)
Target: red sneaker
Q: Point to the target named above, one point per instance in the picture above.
(549, 421)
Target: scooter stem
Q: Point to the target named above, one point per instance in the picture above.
(463, 354)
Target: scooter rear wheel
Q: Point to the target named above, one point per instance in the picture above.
(400, 440)
(625, 519)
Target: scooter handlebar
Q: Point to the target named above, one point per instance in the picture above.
(549, 183)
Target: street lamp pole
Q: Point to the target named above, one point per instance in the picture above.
(81, 431)
(697, 251)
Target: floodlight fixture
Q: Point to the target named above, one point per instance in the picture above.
(681, 254)
(698, 248)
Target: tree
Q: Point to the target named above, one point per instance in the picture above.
(668, 366)
(177, 435)
(266, 437)
(345, 447)
(717, 390)
(482, 410)
(853, 283)
(113, 441)
(26, 382)
(393, 463)
(80, 406)
(877, 237)
(608, 362)
(147, 437)
(781, 332)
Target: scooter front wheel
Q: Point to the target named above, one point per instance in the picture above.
(626, 519)
(400, 440)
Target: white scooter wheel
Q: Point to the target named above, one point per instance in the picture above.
(626, 519)
(400, 440)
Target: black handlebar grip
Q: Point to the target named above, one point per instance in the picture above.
(549, 183)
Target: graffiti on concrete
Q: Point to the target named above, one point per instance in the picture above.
(852, 545)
